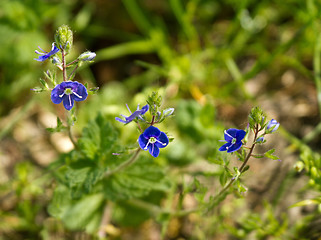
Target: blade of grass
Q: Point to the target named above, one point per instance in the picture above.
(138, 16)
(123, 49)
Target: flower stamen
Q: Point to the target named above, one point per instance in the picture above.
(77, 95)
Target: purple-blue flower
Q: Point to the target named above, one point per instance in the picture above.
(272, 126)
(234, 138)
(153, 139)
(68, 92)
(133, 115)
(45, 55)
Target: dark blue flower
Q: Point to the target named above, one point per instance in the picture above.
(45, 55)
(272, 126)
(153, 139)
(68, 92)
(234, 138)
(133, 115)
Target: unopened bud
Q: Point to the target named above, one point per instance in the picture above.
(64, 38)
(87, 56)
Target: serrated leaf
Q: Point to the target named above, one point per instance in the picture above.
(59, 202)
(137, 180)
(98, 138)
(81, 180)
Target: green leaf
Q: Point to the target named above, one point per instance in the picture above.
(201, 190)
(82, 212)
(60, 201)
(269, 154)
(98, 139)
(136, 181)
(60, 127)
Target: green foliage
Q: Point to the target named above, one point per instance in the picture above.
(136, 181)
(93, 174)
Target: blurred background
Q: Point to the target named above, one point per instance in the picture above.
(210, 60)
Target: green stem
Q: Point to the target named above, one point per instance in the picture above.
(73, 71)
(317, 69)
(125, 164)
(64, 70)
(72, 139)
(243, 165)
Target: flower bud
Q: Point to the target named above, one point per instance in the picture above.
(168, 111)
(87, 56)
(56, 61)
(272, 126)
(260, 140)
(64, 38)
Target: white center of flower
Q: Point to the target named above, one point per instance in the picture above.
(68, 92)
(233, 140)
(153, 140)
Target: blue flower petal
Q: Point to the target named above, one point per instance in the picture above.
(224, 147)
(44, 56)
(80, 90)
(68, 102)
(163, 140)
(230, 134)
(153, 150)
(142, 141)
(234, 147)
(144, 109)
(152, 131)
(135, 114)
(120, 120)
(55, 94)
(240, 135)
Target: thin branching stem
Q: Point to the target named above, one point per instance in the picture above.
(248, 156)
(64, 69)
(125, 164)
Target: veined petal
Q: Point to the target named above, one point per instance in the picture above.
(230, 134)
(234, 147)
(55, 93)
(224, 147)
(153, 150)
(142, 141)
(80, 92)
(68, 102)
(240, 135)
(162, 140)
(152, 131)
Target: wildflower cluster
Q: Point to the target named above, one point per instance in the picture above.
(151, 139)
(68, 90)
(257, 123)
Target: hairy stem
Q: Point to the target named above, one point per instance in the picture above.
(64, 68)
(125, 164)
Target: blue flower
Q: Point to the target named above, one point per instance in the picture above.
(272, 126)
(133, 115)
(234, 138)
(153, 139)
(68, 92)
(45, 55)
